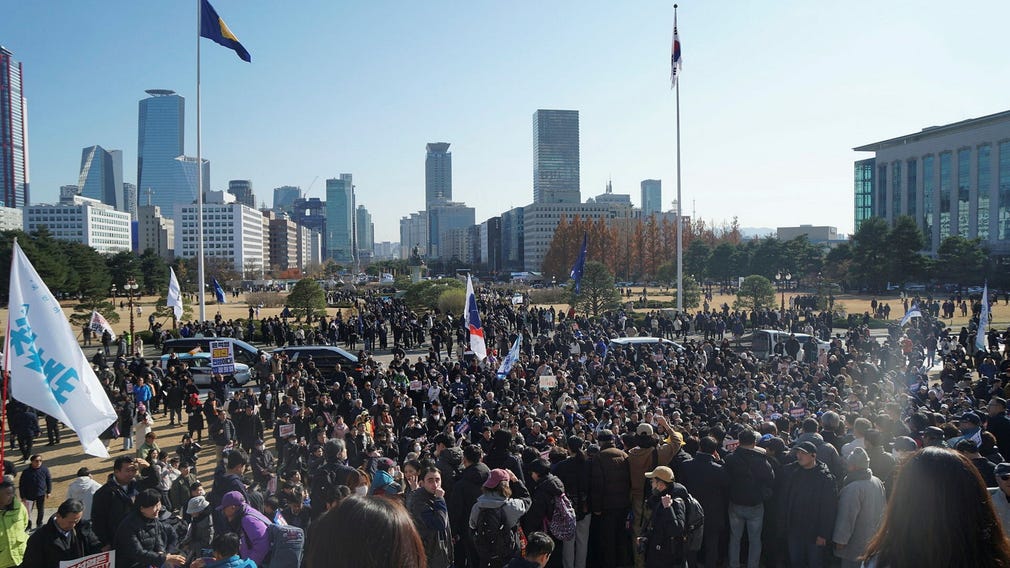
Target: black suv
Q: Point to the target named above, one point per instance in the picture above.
(326, 358)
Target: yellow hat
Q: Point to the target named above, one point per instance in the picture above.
(661, 473)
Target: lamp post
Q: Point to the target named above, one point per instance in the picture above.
(131, 288)
(782, 277)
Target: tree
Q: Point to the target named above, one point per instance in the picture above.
(154, 272)
(720, 263)
(692, 292)
(870, 254)
(452, 300)
(756, 293)
(309, 296)
(426, 293)
(123, 266)
(962, 261)
(904, 242)
(696, 259)
(597, 292)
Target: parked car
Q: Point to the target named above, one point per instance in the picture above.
(244, 353)
(326, 358)
(200, 367)
(764, 340)
(651, 341)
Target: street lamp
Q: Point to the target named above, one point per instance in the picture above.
(131, 288)
(782, 277)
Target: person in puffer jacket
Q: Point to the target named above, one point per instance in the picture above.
(548, 487)
(383, 482)
(141, 540)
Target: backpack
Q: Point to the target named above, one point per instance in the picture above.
(287, 542)
(493, 538)
(562, 521)
(694, 529)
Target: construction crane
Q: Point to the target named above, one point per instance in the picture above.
(314, 180)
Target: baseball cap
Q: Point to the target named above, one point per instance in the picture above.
(971, 417)
(644, 429)
(495, 478)
(661, 473)
(806, 447)
(231, 498)
(1002, 469)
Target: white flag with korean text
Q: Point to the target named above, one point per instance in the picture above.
(48, 370)
(174, 300)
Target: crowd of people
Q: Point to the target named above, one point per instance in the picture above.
(690, 454)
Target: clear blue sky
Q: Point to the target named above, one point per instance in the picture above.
(773, 96)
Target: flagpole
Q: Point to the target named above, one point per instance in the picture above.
(199, 175)
(680, 207)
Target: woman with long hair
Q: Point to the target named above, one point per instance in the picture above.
(366, 532)
(939, 515)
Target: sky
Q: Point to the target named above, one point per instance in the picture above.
(773, 97)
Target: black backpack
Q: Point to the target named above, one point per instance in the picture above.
(493, 537)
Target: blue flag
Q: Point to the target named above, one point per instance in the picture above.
(213, 28)
(580, 264)
(218, 291)
(511, 358)
(983, 321)
(912, 312)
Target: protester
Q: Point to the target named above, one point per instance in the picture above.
(366, 532)
(66, 536)
(861, 506)
(83, 489)
(35, 485)
(13, 527)
(141, 540)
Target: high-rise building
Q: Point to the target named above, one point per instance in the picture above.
(311, 214)
(365, 234)
(444, 218)
(13, 133)
(68, 191)
(340, 218)
(285, 197)
(540, 220)
(11, 219)
(437, 174)
(556, 156)
(232, 231)
(155, 232)
(101, 176)
(952, 179)
(130, 199)
(414, 234)
(82, 220)
(652, 196)
(243, 191)
(163, 169)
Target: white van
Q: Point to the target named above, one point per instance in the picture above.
(764, 340)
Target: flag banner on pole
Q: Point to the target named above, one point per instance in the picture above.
(100, 325)
(463, 427)
(580, 264)
(983, 321)
(48, 370)
(174, 294)
(472, 319)
(912, 312)
(218, 292)
(213, 28)
(511, 358)
(675, 61)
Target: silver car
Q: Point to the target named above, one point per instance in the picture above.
(200, 367)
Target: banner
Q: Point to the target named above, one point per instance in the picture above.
(174, 300)
(222, 358)
(48, 370)
(548, 382)
(97, 560)
(100, 325)
(286, 430)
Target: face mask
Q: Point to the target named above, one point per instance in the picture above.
(363, 490)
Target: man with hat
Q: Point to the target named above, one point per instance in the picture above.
(648, 453)
(610, 499)
(1001, 496)
(249, 523)
(201, 527)
(660, 539)
(808, 502)
(971, 429)
(999, 424)
(933, 436)
(861, 505)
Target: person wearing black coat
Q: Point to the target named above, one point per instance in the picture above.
(113, 501)
(464, 495)
(809, 501)
(547, 488)
(999, 424)
(65, 537)
(574, 475)
(25, 427)
(662, 540)
(751, 482)
(500, 456)
(34, 486)
(141, 539)
(707, 480)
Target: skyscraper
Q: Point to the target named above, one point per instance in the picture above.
(285, 197)
(652, 196)
(13, 133)
(437, 174)
(162, 166)
(130, 203)
(340, 218)
(556, 156)
(243, 191)
(101, 176)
